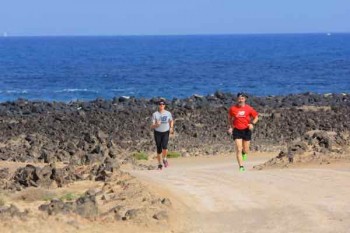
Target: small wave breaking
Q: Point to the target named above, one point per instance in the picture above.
(76, 90)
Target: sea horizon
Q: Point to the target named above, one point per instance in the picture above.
(9, 35)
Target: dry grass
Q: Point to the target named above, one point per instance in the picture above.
(35, 194)
(2, 201)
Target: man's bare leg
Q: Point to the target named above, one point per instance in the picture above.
(245, 150)
(238, 144)
(246, 145)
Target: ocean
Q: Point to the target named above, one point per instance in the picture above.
(85, 68)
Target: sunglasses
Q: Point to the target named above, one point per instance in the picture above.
(161, 103)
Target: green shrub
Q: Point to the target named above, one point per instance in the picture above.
(140, 156)
(69, 197)
(49, 197)
(173, 154)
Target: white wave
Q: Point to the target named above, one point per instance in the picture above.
(16, 91)
(123, 89)
(76, 90)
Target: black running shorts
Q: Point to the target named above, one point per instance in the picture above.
(161, 139)
(245, 134)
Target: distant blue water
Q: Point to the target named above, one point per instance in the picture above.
(84, 68)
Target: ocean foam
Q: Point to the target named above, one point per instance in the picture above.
(76, 90)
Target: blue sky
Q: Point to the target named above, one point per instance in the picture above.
(172, 17)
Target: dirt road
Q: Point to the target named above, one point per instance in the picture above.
(215, 197)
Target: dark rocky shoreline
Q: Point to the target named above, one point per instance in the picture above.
(82, 132)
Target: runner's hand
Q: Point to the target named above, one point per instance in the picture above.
(229, 131)
(251, 126)
(171, 130)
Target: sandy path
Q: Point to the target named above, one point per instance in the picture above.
(218, 198)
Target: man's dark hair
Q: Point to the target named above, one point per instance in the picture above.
(242, 94)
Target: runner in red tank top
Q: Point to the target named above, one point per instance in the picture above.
(241, 126)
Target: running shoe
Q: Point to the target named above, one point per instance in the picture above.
(166, 164)
(244, 156)
(160, 167)
(241, 169)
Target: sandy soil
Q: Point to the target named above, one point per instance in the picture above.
(36, 221)
(39, 222)
(211, 195)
